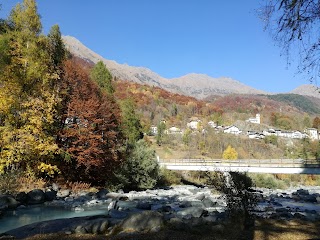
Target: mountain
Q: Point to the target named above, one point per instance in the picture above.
(307, 90)
(194, 85)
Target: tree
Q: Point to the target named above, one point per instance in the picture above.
(91, 137)
(56, 46)
(130, 125)
(296, 27)
(28, 93)
(230, 153)
(103, 77)
(161, 131)
(140, 171)
(316, 123)
(237, 190)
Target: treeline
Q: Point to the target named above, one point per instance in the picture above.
(60, 117)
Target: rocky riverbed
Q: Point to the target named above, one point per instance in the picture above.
(183, 206)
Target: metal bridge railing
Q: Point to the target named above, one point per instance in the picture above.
(285, 163)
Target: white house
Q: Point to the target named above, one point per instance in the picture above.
(194, 124)
(255, 119)
(233, 130)
(174, 130)
(212, 124)
(312, 133)
(153, 130)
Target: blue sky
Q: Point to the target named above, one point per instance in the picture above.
(176, 37)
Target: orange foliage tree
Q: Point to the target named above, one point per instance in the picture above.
(90, 134)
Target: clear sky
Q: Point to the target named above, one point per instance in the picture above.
(176, 37)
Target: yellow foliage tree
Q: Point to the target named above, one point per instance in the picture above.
(28, 94)
(230, 153)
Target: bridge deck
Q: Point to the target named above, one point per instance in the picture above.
(289, 166)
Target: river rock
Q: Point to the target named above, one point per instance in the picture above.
(208, 203)
(190, 212)
(144, 206)
(50, 195)
(102, 194)
(36, 196)
(8, 202)
(113, 213)
(147, 221)
(22, 197)
(63, 193)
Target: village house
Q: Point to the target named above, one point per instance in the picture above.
(212, 124)
(255, 135)
(232, 130)
(312, 133)
(153, 130)
(255, 119)
(194, 124)
(173, 130)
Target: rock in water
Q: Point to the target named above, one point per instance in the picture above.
(147, 221)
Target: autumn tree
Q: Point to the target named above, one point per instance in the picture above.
(28, 94)
(316, 123)
(230, 153)
(91, 137)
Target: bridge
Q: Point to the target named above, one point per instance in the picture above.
(287, 166)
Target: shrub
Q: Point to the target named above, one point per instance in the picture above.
(168, 177)
(9, 183)
(140, 170)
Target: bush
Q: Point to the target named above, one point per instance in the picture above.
(140, 170)
(9, 183)
(268, 181)
(168, 177)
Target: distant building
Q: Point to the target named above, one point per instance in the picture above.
(212, 124)
(174, 130)
(233, 130)
(312, 133)
(153, 130)
(194, 124)
(255, 119)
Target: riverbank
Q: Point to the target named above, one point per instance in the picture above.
(174, 210)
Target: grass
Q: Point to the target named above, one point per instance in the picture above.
(267, 229)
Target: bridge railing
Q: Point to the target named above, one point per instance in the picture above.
(298, 163)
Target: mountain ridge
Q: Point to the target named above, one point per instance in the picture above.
(196, 85)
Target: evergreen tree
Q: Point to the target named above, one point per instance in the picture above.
(102, 76)
(161, 129)
(131, 125)
(141, 170)
(56, 46)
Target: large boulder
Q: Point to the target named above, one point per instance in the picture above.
(147, 221)
(102, 194)
(36, 196)
(8, 202)
(144, 206)
(50, 195)
(22, 197)
(191, 212)
(208, 203)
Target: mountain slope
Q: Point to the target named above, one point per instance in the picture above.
(307, 90)
(195, 85)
